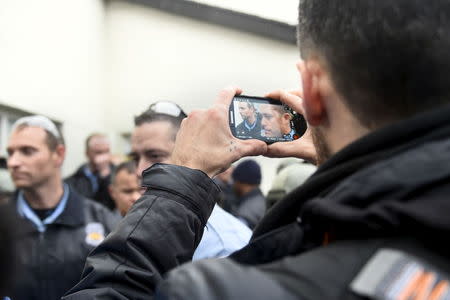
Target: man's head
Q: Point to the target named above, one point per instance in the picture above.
(125, 187)
(36, 152)
(98, 150)
(153, 138)
(247, 111)
(246, 177)
(379, 60)
(275, 121)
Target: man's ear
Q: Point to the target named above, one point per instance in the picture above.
(111, 191)
(60, 153)
(313, 102)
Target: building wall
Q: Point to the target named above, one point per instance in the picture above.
(51, 62)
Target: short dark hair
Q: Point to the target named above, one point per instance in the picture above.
(388, 59)
(249, 103)
(129, 166)
(149, 116)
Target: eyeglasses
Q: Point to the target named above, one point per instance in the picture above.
(167, 108)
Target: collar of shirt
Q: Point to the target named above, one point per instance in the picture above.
(92, 177)
(24, 210)
(249, 127)
(223, 235)
(289, 136)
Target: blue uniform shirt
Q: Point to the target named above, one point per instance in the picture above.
(25, 211)
(223, 235)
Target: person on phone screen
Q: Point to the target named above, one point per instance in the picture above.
(276, 122)
(251, 124)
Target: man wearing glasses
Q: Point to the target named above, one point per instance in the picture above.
(152, 142)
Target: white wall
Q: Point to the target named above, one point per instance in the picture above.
(155, 55)
(51, 62)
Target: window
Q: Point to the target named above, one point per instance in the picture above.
(9, 115)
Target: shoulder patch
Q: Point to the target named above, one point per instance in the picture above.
(395, 275)
(95, 234)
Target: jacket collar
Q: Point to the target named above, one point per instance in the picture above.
(25, 211)
(378, 145)
(72, 214)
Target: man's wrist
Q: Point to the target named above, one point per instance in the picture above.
(191, 165)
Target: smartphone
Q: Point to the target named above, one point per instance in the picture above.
(264, 119)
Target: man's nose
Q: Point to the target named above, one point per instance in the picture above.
(13, 161)
(141, 166)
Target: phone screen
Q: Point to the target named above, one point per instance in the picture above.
(264, 119)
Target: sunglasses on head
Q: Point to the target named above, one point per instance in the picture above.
(167, 108)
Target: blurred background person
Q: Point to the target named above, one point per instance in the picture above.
(125, 187)
(58, 227)
(93, 178)
(250, 204)
(276, 122)
(291, 173)
(8, 264)
(152, 142)
(227, 197)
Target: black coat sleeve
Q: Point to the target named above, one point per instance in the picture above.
(220, 279)
(160, 232)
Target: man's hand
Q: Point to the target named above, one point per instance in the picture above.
(205, 142)
(304, 146)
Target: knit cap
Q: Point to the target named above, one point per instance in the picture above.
(248, 172)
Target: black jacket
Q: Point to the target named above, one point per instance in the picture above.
(250, 207)
(255, 132)
(51, 262)
(389, 190)
(81, 183)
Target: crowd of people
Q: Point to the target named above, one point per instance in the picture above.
(61, 220)
(367, 224)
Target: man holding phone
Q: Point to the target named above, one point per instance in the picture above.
(367, 225)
